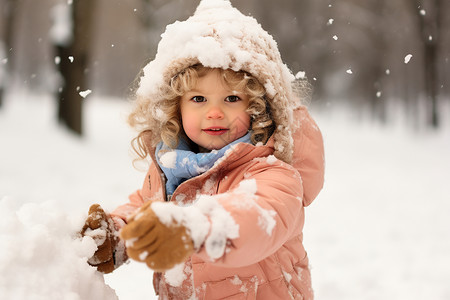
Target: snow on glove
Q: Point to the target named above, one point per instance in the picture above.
(159, 245)
(100, 227)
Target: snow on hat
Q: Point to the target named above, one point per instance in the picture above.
(220, 36)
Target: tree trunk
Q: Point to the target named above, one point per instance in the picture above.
(430, 20)
(74, 65)
(8, 23)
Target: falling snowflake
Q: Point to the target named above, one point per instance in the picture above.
(408, 58)
(85, 93)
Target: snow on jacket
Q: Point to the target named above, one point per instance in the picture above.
(267, 259)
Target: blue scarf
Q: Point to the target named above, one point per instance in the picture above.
(181, 164)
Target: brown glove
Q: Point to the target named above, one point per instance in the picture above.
(100, 227)
(160, 246)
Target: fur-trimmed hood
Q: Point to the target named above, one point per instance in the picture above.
(219, 36)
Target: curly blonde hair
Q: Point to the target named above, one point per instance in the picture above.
(163, 122)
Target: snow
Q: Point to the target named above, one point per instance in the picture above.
(379, 229)
(85, 93)
(248, 189)
(50, 178)
(408, 58)
(191, 217)
(222, 228)
(169, 159)
(37, 236)
(217, 36)
(300, 75)
(176, 275)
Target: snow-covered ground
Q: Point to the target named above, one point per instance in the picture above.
(379, 229)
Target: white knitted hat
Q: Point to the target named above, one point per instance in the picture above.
(219, 36)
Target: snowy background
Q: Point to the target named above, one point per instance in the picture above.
(380, 229)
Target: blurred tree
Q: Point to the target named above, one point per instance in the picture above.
(9, 10)
(352, 51)
(429, 15)
(72, 36)
(367, 37)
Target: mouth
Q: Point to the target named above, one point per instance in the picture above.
(215, 130)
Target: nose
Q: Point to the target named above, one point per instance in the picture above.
(214, 112)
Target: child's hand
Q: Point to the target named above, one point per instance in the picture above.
(99, 226)
(148, 240)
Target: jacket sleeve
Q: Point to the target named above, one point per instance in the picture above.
(308, 156)
(123, 211)
(151, 191)
(267, 209)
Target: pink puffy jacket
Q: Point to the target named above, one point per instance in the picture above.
(259, 264)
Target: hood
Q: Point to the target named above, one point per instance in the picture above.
(220, 36)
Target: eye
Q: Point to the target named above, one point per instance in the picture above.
(232, 98)
(198, 99)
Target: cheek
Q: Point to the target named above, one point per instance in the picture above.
(243, 123)
(189, 124)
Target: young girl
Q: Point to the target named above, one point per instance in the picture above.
(235, 158)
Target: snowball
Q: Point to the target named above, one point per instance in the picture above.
(349, 71)
(41, 256)
(330, 21)
(335, 37)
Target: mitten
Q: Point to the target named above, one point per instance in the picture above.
(100, 227)
(159, 245)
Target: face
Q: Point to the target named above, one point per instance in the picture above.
(212, 114)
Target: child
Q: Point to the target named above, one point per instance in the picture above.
(235, 158)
